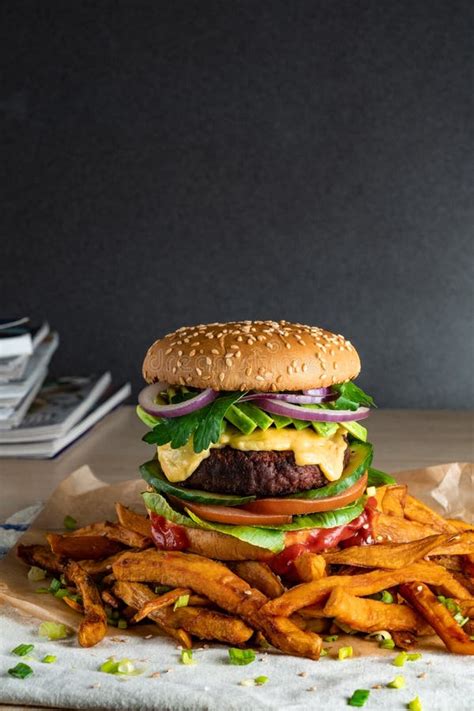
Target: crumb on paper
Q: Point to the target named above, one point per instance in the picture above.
(155, 675)
(312, 688)
(303, 673)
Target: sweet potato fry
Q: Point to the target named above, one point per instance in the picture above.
(114, 532)
(436, 614)
(204, 624)
(310, 566)
(168, 598)
(42, 557)
(467, 607)
(98, 567)
(460, 525)
(219, 584)
(460, 544)
(79, 547)
(404, 640)
(316, 591)
(370, 615)
(400, 530)
(110, 599)
(260, 576)
(416, 510)
(133, 521)
(388, 555)
(73, 604)
(94, 626)
(393, 502)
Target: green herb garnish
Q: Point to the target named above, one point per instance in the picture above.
(20, 671)
(397, 683)
(35, 574)
(49, 659)
(187, 657)
(358, 698)
(23, 649)
(182, 601)
(70, 523)
(54, 630)
(241, 657)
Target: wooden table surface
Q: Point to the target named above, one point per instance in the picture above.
(403, 439)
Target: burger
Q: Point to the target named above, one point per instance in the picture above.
(260, 454)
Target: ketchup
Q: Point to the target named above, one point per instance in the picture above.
(358, 532)
(166, 535)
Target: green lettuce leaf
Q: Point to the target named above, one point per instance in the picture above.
(351, 397)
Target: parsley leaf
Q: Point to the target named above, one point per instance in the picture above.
(205, 424)
(351, 397)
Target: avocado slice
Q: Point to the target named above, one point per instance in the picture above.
(152, 473)
(301, 424)
(359, 461)
(239, 419)
(261, 418)
(281, 421)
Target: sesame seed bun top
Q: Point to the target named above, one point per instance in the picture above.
(251, 355)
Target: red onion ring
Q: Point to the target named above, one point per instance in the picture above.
(147, 397)
(278, 407)
(318, 391)
(294, 398)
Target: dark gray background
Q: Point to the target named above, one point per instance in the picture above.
(170, 163)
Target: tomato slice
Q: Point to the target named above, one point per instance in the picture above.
(293, 507)
(237, 516)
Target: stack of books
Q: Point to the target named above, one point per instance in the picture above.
(40, 416)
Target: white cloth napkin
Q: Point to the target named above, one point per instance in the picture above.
(441, 681)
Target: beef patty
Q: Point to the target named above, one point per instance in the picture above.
(231, 471)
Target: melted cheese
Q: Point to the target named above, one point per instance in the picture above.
(307, 446)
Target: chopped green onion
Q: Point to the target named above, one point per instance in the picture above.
(35, 574)
(20, 671)
(122, 624)
(247, 682)
(344, 653)
(324, 652)
(400, 659)
(453, 607)
(49, 659)
(380, 635)
(70, 523)
(241, 657)
(182, 601)
(23, 649)
(160, 589)
(120, 666)
(261, 680)
(397, 683)
(358, 698)
(345, 628)
(54, 630)
(387, 644)
(62, 592)
(371, 491)
(331, 638)
(386, 597)
(62, 579)
(54, 585)
(413, 657)
(187, 657)
(42, 590)
(414, 704)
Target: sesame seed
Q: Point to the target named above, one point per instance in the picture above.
(289, 370)
(239, 338)
(248, 371)
(192, 353)
(199, 371)
(196, 343)
(167, 352)
(238, 354)
(259, 377)
(250, 341)
(174, 369)
(221, 377)
(208, 360)
(304, 367)
(215, 351)
(288, 345)
(234, 347)
(228, 362)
